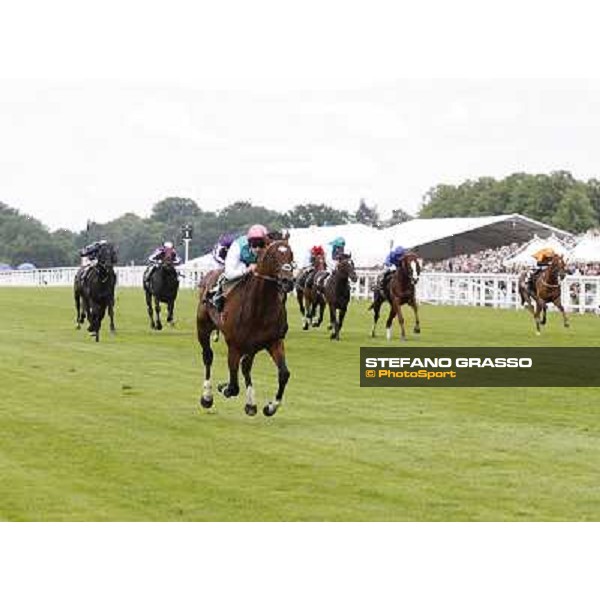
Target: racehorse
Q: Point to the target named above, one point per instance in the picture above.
(254, 318)
(94, 291)
(162, 285)
(398, 290)
(547, 289)
(335, 288)
(307, 293)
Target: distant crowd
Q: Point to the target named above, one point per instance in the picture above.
(486, 261)
(492, 261)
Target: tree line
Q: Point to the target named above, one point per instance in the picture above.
(25, 239)
(557, 199)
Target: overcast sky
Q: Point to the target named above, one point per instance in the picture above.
(108, 112)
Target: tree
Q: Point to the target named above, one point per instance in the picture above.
(399, 215)
(175, 211)
(575, 212)
(305, 215)
(366, 215)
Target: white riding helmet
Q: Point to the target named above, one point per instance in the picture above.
(168, 244)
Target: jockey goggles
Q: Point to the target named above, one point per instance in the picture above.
(257, 243)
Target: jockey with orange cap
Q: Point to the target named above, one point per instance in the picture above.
(543, 258)
(241, 259)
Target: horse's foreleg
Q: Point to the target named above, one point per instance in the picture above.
(157, 311)
(111, 315)
(560, 307)
(306, 309)
(170, 310)
(206, 400)
(417, 328)
(376, 306)
(277, 352)
(149, 309)
(99, 317)
(388, 323)
(246, 364)
(233, 387)
(300, 297)
(401, 321)
(536, 316)
(340, 322)
(321, 313)
(332, 320)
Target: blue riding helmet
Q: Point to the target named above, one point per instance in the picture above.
(394, 256)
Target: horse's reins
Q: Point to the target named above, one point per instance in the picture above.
(550, 285)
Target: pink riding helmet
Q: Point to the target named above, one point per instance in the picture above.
(257, 232)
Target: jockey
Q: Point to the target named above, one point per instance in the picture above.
(315, 252)
(543, 258)
(89, 256)
(241, 259)
(157, 257)
(90, 252)
(222, 246)
(167, 249)
(391, 262)
(338, 247)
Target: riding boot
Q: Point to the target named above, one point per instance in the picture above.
(215, 295)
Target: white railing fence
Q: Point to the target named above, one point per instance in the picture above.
(580, 293)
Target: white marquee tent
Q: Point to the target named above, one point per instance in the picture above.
(524, 255)
(433, 239)
(587, 250)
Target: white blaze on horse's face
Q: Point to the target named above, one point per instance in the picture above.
(415, 273)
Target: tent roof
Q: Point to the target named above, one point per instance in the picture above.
(433, 239)
(587, 250)
(437, 239)
(524, 254)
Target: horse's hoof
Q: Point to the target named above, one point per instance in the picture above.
(538, 333)
(332, 336)
(152, 326)
(251, 409)
(417, 330)
(206, 401)
(305, 327)
(225, 390)
(403, 338)
(269, 409)
(567, 325)
(159, 326)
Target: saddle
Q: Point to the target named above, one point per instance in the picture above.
(320, 279)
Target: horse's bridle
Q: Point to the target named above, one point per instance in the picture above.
(558, 275)
(287, 267)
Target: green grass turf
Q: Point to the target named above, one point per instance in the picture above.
(113, 431)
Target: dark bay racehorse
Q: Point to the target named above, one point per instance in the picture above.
(94, 291)
(308, 295)
(398, 290)
(254, 318)
(335, 288)
(161, 285)
(546, 289)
